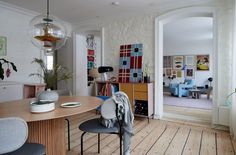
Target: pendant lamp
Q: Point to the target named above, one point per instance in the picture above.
(47, 32)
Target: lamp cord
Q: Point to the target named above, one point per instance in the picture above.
(47, 8)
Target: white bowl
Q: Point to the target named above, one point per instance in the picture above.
(40, 108)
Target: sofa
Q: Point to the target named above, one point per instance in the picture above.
(181, 89)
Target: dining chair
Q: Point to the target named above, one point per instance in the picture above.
(110, 122)
(14, 133)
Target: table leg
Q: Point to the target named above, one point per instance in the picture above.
(51, 133)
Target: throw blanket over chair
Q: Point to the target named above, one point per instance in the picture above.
(117, 118)
(13, 135)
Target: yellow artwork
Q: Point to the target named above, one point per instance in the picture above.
(203, 62)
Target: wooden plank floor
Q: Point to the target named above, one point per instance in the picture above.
(155, 138)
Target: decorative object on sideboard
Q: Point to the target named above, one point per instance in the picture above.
(3, 46)
(51, 77)
(146, 72)
(8, 70)
(47, 32)
(103, 70)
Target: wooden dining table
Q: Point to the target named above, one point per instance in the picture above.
(48, 128)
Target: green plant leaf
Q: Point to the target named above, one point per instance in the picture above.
(1, 72)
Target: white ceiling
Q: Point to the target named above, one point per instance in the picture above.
(77, 11)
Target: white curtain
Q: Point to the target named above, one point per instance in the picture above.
(233, 107)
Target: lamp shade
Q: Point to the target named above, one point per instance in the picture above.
(47, 32)
(94, 73)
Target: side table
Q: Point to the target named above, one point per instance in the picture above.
(195, 93)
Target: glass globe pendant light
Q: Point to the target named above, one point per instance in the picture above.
(47, 32)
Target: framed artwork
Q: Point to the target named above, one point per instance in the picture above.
(130, 65)
(167, 62)
(168, 72)
(189, 72)
(3, 46)
(178, 62)
(179, 74)
(203, 62)
(190, 60)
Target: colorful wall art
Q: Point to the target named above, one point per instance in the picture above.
(203, 62)
(178, 62)
(130, 68)
(189, 72)
(167, 62)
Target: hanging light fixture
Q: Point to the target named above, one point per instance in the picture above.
(47, 32)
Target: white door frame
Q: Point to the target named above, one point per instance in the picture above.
(159, 23)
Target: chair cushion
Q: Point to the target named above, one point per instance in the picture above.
(29, 149)
(94, 126)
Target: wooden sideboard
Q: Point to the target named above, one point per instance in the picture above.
(140, 96)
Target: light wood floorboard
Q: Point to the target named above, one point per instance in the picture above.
(156, 138)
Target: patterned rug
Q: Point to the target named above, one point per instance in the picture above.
(202, 103)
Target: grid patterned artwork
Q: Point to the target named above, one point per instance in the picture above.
(90, 62)
(130, 68)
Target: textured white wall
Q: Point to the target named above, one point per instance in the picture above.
(20, 50)
(141, 30)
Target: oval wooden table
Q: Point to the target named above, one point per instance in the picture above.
(48, 128)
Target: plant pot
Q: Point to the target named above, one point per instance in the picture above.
(147, 79)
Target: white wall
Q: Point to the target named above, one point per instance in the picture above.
(80, 63)
(190, 36)
(14, 25)
(141, 30)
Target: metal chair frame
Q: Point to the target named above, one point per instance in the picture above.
(120, 133)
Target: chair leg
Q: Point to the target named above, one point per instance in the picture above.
(120, 143)
(98, 142)
(68, 133)
(82, 136)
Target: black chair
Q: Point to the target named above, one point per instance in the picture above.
(94, 125)
(14, 133)
(66, 92)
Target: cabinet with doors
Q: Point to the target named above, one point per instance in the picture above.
(10, 91)
(141, 97)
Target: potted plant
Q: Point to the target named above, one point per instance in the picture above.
(146, 73)
(8, 70)
(51, 77)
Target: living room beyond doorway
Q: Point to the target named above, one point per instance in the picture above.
(187, 68)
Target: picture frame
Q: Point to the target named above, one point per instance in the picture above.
(189, 72)
(3, 46)
(178, 62)
(168, 72)
(179, 74)
(203, 63)
(190, 60)
(167, 62)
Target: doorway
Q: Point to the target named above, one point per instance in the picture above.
(159, 24)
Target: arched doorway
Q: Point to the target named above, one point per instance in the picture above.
(159, 23)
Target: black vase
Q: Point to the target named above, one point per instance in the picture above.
(147, 79)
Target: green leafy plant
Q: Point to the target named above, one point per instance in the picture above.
(51, 77)
(8, 70)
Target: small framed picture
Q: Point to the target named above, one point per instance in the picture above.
(189, 72)
(168, 72)
(3, 46)
(189, 60)
(203, 62)
(179, 74)
(178, 62)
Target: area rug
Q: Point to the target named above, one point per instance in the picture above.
(202, 103)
